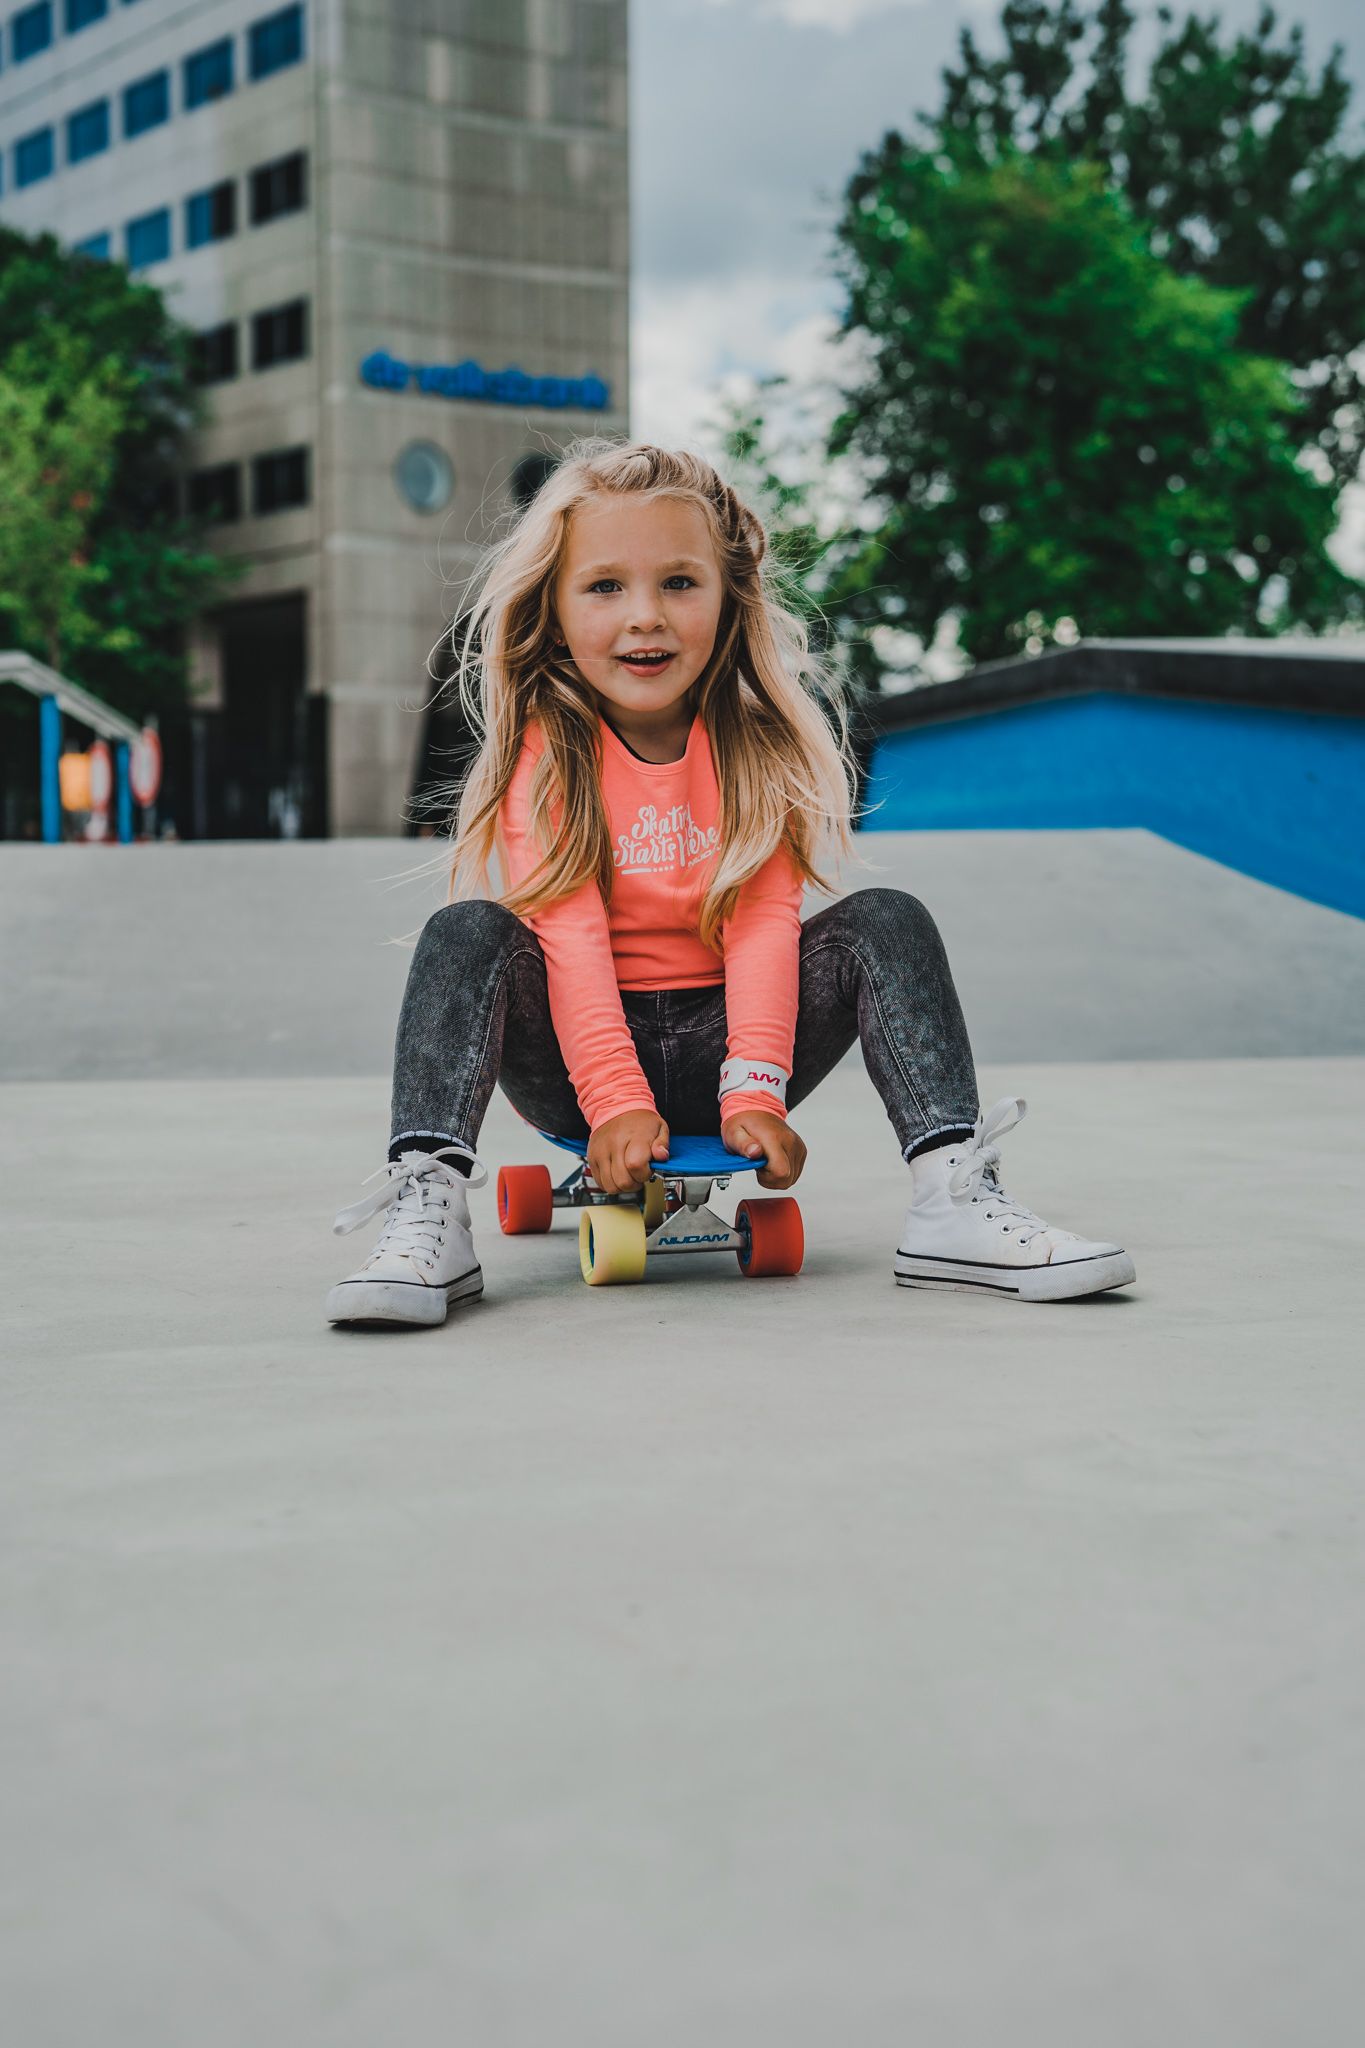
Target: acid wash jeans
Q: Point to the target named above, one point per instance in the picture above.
(476, 1011)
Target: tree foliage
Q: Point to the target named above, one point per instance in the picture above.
(98, 573)
(1055, 424)
(1231, 152)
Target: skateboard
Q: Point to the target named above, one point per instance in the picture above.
(671, 1213)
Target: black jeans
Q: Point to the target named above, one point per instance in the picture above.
(476, 1010)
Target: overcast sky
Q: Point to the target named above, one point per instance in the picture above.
(747, 118)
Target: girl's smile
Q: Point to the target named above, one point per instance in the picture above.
(647, 663)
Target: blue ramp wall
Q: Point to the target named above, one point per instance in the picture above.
(1277, 794)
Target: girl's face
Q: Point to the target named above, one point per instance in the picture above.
(638, 599)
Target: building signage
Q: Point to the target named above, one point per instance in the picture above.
(469, 380)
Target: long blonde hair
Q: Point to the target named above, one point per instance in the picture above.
(774, 713)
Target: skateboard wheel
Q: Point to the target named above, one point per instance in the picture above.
(526, 1199)
(611, 1245)
(655, 1202)
(773, 1238)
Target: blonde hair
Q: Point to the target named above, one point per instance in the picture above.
(772, 711)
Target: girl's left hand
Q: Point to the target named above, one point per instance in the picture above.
(757, 1133)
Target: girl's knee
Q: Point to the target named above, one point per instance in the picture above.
(473, 927)
(891, 916)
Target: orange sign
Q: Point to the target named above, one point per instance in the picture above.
(73, 772)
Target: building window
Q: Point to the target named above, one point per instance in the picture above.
(211, 216)
(80, 13)
(279, 334)
(95, 246)
(279, 480)
(275, 42)
(87, 131)
(215, 495)
(213, 354)
(146, 104)
(279, 187)
(30, 32)
(208, 74)
(33, 157)
(148, 239)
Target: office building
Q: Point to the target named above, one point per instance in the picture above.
(398, 229)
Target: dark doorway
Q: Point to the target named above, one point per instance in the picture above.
(449, 743)
(271, 768)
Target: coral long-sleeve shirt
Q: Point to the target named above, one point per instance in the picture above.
(664, 825)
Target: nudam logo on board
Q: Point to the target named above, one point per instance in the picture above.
(470, 380)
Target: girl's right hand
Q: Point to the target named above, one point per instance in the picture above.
(622, 1151)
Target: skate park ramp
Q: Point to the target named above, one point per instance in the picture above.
(760, 1663)
(220, 960)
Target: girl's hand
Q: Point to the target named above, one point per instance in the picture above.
(758, 1133)
(622, 1151)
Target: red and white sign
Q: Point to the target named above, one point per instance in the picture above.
(144, 765)
(101, 776)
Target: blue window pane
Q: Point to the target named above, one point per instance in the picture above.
(87, 131)
(146, 104)
(148, 240)
(80, 13)
(212, 215)
(30, 31)
(208, 74)
(94, 245)
(275, 42)
(33, 157)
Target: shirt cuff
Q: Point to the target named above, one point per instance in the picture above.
(603, 1112)
(738, 1102)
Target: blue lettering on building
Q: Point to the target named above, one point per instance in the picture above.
(469, 380)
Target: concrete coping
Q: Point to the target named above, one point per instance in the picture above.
(1298, 675)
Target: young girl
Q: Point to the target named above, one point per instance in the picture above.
(660, 783)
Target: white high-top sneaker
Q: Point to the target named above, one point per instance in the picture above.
(963, 1232)
(424, 1259)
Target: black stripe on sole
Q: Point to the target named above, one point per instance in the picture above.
(947, 1280)
(991, 1265)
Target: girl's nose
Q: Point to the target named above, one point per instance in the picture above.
(646, 612)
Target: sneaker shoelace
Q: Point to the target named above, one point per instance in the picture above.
(976, 1172)
(416, 1192)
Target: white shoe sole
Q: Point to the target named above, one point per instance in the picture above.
(400, 1301)
(1069, 1280)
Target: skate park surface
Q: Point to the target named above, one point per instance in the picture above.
(748, 1662)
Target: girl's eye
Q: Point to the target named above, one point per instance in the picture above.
(609, 583)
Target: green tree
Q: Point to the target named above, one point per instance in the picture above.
(755, 442)
(96, 403)
(55, 467)
(1053, 424)
(1231, 152)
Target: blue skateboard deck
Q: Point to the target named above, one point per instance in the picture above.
(688, 1156)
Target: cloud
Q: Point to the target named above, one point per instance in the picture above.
(748, 121)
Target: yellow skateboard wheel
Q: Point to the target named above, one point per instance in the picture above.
(611, 1245)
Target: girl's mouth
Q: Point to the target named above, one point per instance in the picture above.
(649, 662)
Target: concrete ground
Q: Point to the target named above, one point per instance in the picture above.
(755, 1663)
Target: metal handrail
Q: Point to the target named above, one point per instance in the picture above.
(77, 703)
